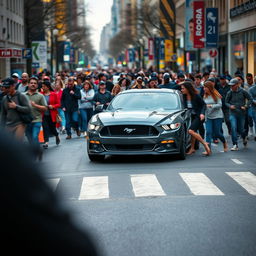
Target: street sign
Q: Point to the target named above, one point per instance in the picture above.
(213, 53)
(199, 24)
(212, 31)
(39, 53)
(27, 53)
(35, 65)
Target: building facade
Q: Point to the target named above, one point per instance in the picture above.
(11, 37)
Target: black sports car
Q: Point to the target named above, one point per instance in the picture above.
(140, 122)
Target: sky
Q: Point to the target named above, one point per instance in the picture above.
(98, 15)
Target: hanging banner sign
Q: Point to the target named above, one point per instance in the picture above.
(189, 33)
(212, 32)
(168, 50)
(199, 24)
(150, 48)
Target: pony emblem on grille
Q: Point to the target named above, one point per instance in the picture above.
(129, 130)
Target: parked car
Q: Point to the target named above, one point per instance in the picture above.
(140, 122)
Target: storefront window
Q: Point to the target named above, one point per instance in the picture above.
(238, 53)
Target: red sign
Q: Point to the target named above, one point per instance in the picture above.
(10, 53)
(150, 48)
(213, 53)
(199, 24)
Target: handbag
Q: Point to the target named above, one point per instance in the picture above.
(58, 118)
(26, 118)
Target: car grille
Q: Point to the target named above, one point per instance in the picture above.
(129, 130)
(129, 147)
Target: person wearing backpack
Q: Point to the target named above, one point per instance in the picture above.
(14, 106)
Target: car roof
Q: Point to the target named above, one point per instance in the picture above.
(151, 91)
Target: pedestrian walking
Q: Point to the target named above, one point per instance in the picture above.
(213, 115)
(14, 105)
(39, 105)
(237, 100)
(195, 103)
(49, 116)
(86, 105)
(69, 104)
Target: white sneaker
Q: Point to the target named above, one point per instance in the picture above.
(234, 148)
(250, 133)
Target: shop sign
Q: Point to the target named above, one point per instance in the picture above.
(213, 53)
(212, 33)
(10, 53)
(243, 8)
(39, 53)
(199, 24)
(168, 50)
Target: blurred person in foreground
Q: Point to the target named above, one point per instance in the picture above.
(33, 220)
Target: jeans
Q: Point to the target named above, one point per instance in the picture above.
(32, 132)
(214, 127)
(62, 115)
(86, 115)
(237, 126)
(71, 121)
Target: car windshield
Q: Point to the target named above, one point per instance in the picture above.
(145, 101)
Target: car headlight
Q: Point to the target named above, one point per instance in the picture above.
(173, 126)
(93, 127)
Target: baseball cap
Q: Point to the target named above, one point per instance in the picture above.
(102, 82)
(15, 75)
(139, 78)
(222, 77)
(233, 81)
(211, 79)
(8, 82)
(166, 75)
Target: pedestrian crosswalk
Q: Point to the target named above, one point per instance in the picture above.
(148, 185)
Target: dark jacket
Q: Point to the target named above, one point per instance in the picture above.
(198, 104)
(223, 90)
(103, 98)
(70, 101)
(239, 99)
(170, 85)
(11, 117)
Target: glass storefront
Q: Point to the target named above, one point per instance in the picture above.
(243, 52)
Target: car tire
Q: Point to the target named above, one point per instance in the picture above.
(96, 158)
(183, 147)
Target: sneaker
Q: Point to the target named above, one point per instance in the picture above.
(234, 148)
(78, 133)
(245, 140)
(68, 137)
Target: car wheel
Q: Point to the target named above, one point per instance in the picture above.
(96, 158)
(183, 147)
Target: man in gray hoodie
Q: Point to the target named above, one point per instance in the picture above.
(238, 101)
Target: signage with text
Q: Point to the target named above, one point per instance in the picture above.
(199, 24)
(10, 53)
(150, 48)
(212, 23)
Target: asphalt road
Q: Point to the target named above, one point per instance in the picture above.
(160, 206)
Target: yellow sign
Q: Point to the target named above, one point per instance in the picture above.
(168, 50)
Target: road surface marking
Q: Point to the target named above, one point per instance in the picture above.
(94, 188)
(245, 179)
(146, 185)
(237, 161)
(53, 183)
(200, 184)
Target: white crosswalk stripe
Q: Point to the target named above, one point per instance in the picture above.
(245, 179)
(94, 188)
(146, 185)
(200, 184)
(237, 161)
(53, 183)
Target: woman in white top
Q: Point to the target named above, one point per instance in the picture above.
(213, 114)
(86, 105)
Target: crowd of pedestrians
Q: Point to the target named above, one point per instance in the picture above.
(64, 103)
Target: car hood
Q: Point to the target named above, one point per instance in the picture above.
(135, 117)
